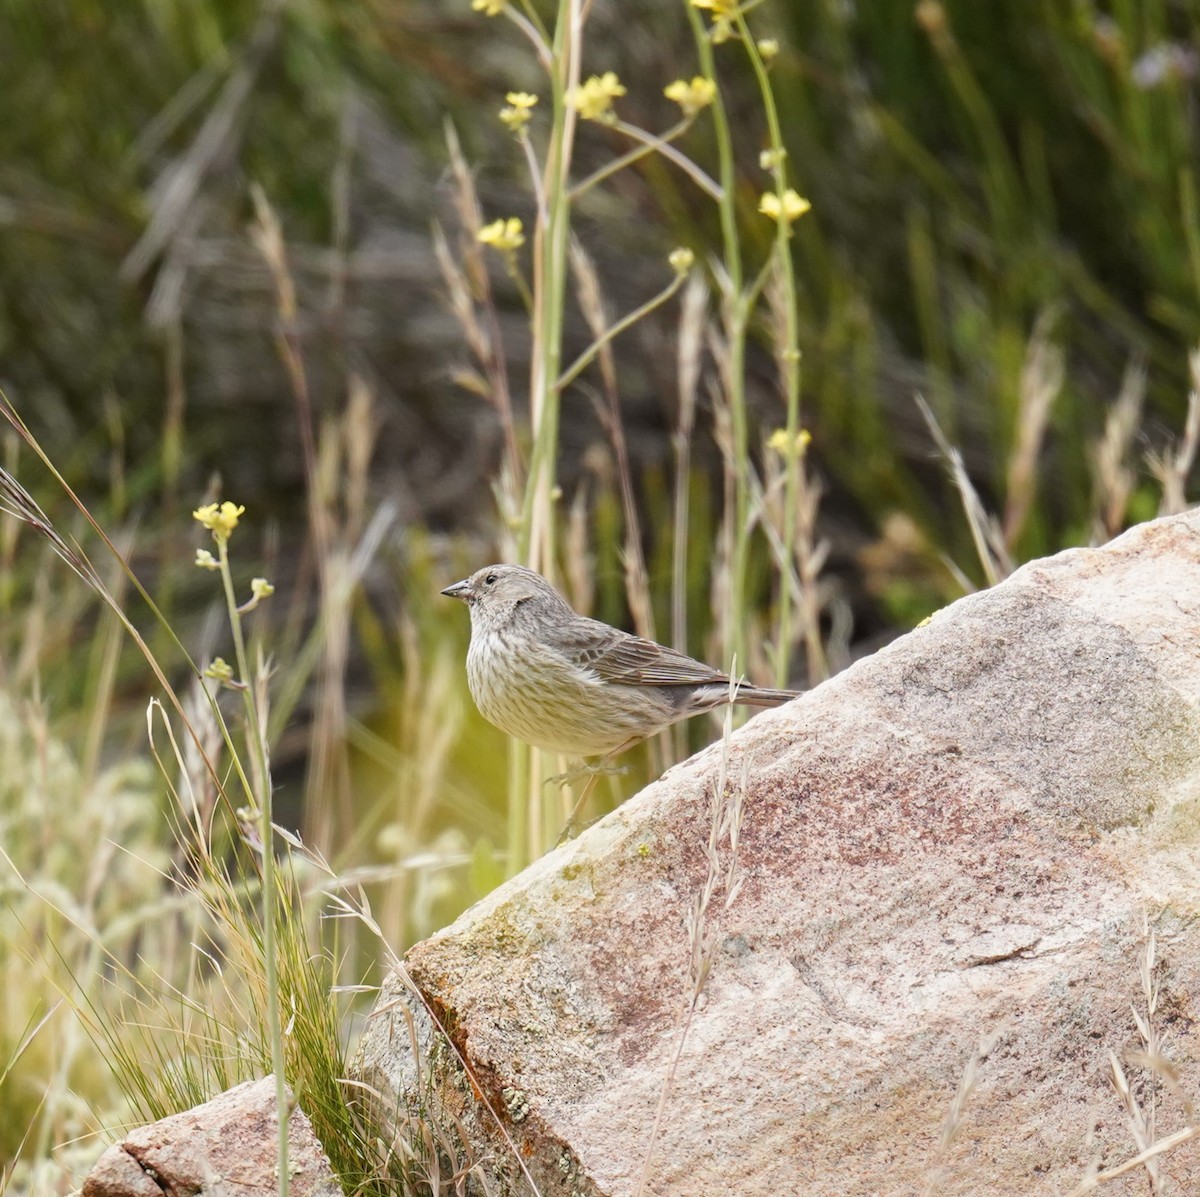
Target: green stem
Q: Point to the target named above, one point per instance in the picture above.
(255, 733)
(514, 273)
(535, 538)
(735, 317)
(531, 26)
(536, 534)
(790, 356)
(660, 145)
(588, 355)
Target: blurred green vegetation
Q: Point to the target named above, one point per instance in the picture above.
(1004, 206)
(973, 169)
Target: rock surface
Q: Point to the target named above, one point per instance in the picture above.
(969, 838)
(226, 1146)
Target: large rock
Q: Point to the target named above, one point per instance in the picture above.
(226, 1146)
(969, 838)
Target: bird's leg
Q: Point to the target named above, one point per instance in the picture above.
(599, 769)
(603, 767)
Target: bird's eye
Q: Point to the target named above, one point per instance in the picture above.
(490, 579)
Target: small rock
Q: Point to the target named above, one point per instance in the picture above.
(224, 1146)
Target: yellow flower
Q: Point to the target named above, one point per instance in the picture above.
(770, 159)
(260, 589)
(691, 97)
(723, 13)
(681, 260)
(593, 99)
(768, 47)
(790, 446)
(517, 113)
(792, 207)
(503, 235)
(220, 670)
(219, 520)
(205, 560)
(489, 8)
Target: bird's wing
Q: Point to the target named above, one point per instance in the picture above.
(616, 656)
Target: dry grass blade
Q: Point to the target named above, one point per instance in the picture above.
(1112, 479)
(18, 504)
(335, 471)
(462, 304)
(1169, 1143)
(1172, 468)
(1147, 1025)
(1139, 1128)
(1041, 382)
(956, 1114)
(985, 532)
(578, 573)
(470, 293)
(591, 303)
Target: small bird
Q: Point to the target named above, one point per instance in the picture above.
(569, 684)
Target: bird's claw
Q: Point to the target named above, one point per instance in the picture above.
(589, 771)
(571, 829)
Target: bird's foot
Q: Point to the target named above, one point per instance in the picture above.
(589, 771)
(572, 828)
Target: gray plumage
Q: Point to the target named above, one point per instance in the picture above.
(566, 683)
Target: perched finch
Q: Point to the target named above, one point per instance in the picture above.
(566, 683)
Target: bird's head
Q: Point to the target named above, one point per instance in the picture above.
(497, 593)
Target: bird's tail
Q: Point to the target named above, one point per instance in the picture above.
(760, 696)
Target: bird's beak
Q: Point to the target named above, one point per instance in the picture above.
(460, 590)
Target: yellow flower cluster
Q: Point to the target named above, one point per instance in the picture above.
(220, 520)
(489, 8)
(691, 97)
(723, 14)
(593, 99)
(791, 207)
(790, 446)
(507, 236)
(220, 670)
(517, 114)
